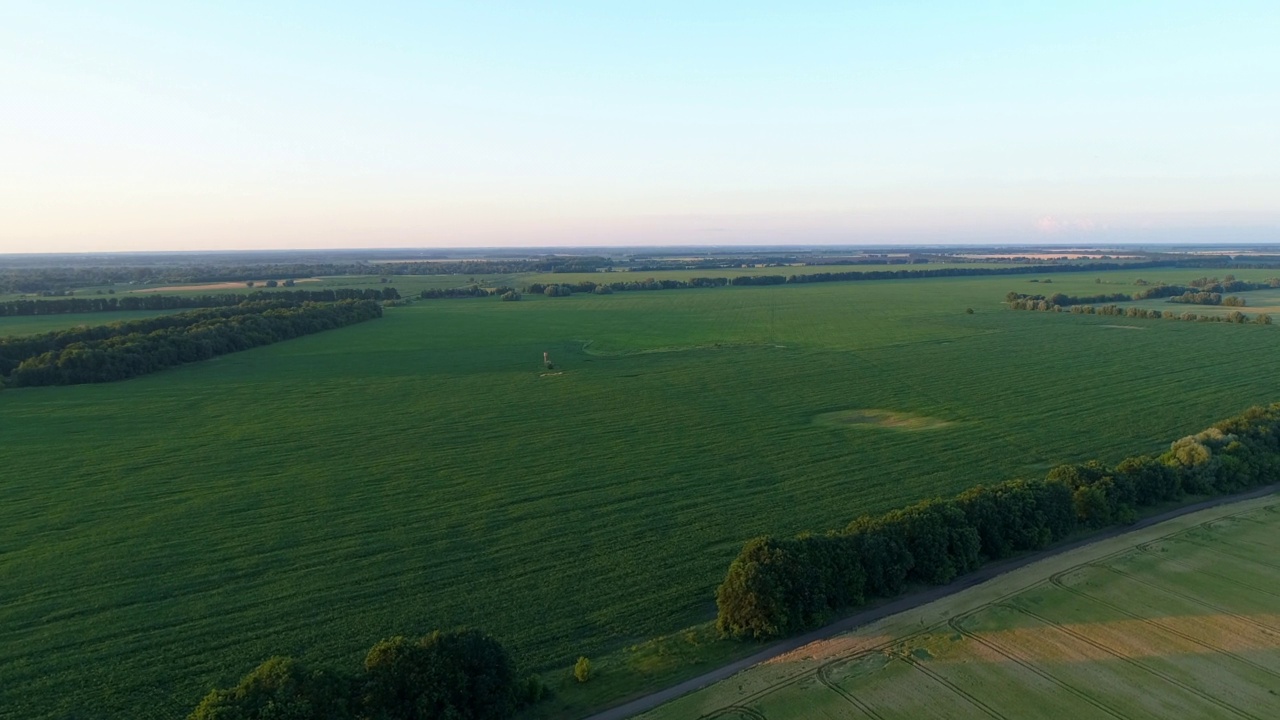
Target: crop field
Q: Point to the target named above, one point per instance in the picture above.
(33, 324)
(163, 535)
(1178, 620)
(1259, 301)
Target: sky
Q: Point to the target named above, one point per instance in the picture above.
(235, 125)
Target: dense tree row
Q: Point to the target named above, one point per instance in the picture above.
(1207, 298)
(971, 272)
(124, 350)
(1158, 291)
(602, 288)
(1230, 284)
(759, 280)
(1028, 301)
(778, 586)
(461, 675)
(462, 292)
(59, 279)
(153, 301)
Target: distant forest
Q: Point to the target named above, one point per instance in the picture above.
(127, 349)
(52, 275)
(150, 301)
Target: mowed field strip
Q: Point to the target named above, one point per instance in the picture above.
(1181, 619)
(163, 535)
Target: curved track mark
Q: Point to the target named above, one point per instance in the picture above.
(994, 647)
(989, 711)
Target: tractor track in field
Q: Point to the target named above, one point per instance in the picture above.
(955, 689)
(823, 677)
(1056, 580)
(1145, 549)
(1080, 637)
(924, 597)
(738, 710)
(1238, 558)
(955, 624)
(1190, 598)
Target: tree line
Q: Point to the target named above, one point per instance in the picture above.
(127, 349)
(459, 675)
(851, 276)
(60, 279)
(1202, 291)
(152, 301)
(1047, 305)
(778, 586)
(1207, 298)
(606, 288)
(463, 292)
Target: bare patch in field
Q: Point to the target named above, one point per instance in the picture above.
(887, 419)
(830, 649)
(1130, 639)
(257, 285)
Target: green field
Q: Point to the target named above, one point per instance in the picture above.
(33, 324)
(1178, 620)
(1259, 301)
(163, 535)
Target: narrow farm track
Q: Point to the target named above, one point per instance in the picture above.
(907, 602)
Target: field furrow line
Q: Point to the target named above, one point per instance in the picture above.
(848, 696)
(1056, 580)
(1134, 663)
(991, 712)
(1144, 549)
(731, 710)
(1209, 548)
(954, 623)
(1191, 598)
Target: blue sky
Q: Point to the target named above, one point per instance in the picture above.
(128, 126)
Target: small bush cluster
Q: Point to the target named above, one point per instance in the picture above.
(778, 586)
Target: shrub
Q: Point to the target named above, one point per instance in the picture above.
(582, 669)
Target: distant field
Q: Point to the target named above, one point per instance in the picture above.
(24, 325)
(1179, 620)
(1259, 301)
(626, 275)
(164, 535)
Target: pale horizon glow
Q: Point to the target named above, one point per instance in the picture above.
(141, 126)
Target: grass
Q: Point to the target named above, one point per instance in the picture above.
(1176, 620)
(163, 535)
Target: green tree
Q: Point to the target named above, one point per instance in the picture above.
(751, 602)
(280, 689)
(462, 675)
